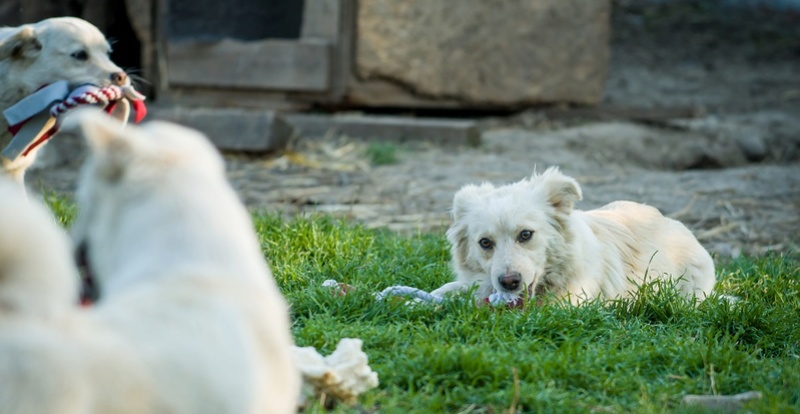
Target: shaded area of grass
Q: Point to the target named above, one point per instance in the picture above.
(639, 355)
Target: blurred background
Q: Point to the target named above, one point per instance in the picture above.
(379, 110)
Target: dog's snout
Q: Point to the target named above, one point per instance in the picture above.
(119, 78)
(510, 281)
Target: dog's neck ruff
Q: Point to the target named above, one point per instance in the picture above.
(37, 117)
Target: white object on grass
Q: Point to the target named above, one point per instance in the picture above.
(330, 283)
(344, 375)
(421, 296)
(418, 295)
(502, 298)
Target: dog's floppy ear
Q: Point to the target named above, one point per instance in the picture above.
(562, 192)
(111, 147)
(22, 44)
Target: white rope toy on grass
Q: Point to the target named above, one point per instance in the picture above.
(421, 296)
(418, 295)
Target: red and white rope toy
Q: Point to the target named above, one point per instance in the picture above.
(106, 96)
(37, 117)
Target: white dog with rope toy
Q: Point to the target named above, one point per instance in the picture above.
(526, 240)
(46, 69)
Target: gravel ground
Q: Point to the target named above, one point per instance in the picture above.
(732, 175)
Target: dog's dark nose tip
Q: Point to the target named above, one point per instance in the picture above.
(119, 78)
(510, 281)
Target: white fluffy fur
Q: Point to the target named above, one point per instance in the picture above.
(38, 54)
(37, 277)
(189, 319)
(577, 254)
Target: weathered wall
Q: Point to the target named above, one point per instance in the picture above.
(485, 52)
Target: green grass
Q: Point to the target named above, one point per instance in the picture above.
(382, 153)
(637, 355)
(63, 209)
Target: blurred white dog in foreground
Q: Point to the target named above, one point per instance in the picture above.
(189, 318)
(35, 55)
(525, 238)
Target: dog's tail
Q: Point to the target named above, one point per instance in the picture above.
(37, 274)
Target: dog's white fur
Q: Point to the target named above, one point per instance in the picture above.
(577, 254)
(37, 54)
(38, 279)
(189, 319)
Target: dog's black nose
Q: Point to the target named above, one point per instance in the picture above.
(510, 281)
(119, 78)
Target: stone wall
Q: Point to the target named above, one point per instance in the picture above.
(482, 52)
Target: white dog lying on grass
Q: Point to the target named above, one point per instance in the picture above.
(525, 239)
(35, 55)
(189, 318)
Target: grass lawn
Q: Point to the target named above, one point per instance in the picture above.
(638, 355)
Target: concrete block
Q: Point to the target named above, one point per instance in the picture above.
(388, 128)
(483, 53)
(233, 129)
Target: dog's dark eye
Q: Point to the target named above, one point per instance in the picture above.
(485, 243)
(525, 235)
(80, 55)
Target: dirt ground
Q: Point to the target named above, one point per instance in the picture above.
(732, 173)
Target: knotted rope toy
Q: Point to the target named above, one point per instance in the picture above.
(37, 117)
(417, 295)
(496, 299)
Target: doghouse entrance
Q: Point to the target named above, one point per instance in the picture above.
(247, 20)
(263, 53)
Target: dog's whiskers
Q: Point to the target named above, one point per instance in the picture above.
(137, 81)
